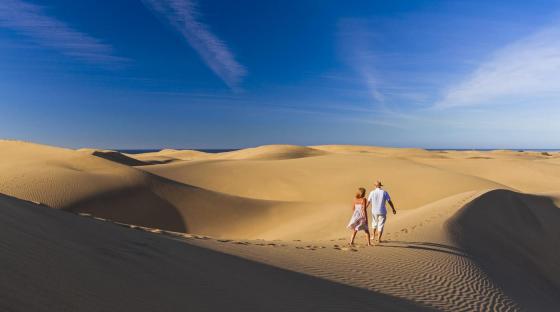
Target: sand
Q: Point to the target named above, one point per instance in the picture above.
(474, 230)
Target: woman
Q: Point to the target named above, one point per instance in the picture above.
(359, 221)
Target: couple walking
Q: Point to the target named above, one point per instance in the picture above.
(359, 220)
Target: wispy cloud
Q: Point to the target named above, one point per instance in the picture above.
(184, 16)
(521, 72)
(356, 40)
(32, 21)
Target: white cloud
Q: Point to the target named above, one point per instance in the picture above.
(356, 46)
(525, 71)
(183, 15)
(31, 21)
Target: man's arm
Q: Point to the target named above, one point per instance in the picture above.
(364, 210)
(392, 206)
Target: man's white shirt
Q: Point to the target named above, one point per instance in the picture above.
(377, 198)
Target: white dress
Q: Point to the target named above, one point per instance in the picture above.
(358, 222)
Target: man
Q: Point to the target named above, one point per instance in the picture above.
(377, 199)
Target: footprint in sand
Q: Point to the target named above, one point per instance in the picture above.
(405, 231)
(344, 248)
(224, 240)
(309, 247)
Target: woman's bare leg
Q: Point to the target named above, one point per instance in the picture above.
(368, 238)
(352, 237)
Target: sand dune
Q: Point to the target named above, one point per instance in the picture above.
(267, 152)
(271, 152)
(526, 172)
(466, 237)
(78, 181)
(517, 235)
(420, 267)
(169, 155)
(321, 187)
(433, 258)
(69, 263)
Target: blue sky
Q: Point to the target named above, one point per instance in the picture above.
(224, 74)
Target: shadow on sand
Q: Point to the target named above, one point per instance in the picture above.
(425, 246)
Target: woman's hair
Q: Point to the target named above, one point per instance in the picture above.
(361, 193)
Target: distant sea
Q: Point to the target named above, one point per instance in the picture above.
(222, 150)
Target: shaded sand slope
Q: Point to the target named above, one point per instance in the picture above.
(78, 181)
(512, 232)
(69, 263)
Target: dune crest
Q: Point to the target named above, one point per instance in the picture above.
(271, 152)
(114, 156)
